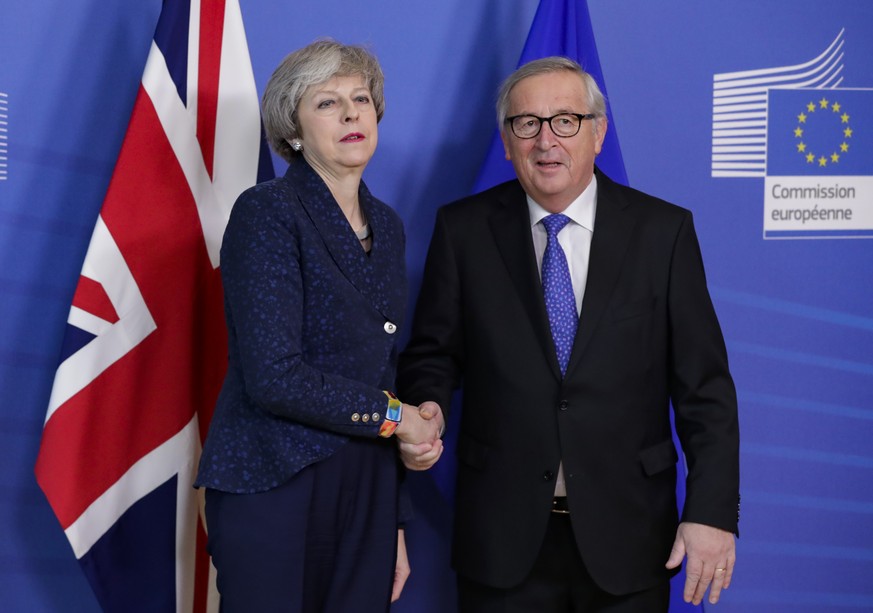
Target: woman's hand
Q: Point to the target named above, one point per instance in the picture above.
(401, 567)
(424, 453)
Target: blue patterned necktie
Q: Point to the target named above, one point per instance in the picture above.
(558, 290)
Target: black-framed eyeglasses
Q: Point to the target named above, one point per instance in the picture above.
(564, 125)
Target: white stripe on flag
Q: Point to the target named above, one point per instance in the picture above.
(104, 264)
(181, 130)
(238, 122)
(86, 321)
(174, 457)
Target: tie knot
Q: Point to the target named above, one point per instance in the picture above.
(554, 223)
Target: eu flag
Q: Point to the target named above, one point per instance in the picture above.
(820, 132)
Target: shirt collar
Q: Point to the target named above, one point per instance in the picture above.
(580, 211)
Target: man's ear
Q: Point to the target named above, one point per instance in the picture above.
(600, 126)
(505, 145)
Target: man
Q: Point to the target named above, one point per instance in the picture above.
(574, 311)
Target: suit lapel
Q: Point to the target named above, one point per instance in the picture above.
(510, 226)
(612, 232)
(369, 274)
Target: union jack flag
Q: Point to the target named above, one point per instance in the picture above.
(144, 352)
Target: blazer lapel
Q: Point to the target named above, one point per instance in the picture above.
(388, 251)
(368, 274)
(612, 233)
(510, 226)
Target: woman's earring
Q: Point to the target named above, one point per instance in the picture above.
(296, 145)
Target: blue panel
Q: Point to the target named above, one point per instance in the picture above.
(796, 313)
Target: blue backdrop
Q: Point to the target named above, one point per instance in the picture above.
(796, 311)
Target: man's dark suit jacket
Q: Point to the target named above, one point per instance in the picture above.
(647, 335)
(312, 325)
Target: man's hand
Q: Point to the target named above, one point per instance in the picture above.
(401, 567)
(711, 557)
(417, 427)
(432, 412)
(422, 455)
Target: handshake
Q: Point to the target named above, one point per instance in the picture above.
(418, 435)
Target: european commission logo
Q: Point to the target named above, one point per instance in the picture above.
(818, 180)
(810, 140)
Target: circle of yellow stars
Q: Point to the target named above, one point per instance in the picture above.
(823, 105)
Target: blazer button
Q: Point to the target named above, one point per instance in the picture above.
(356, 417)
(365, 417)
(564, 404)
(376, 417)
(548, 475)
(390, 328)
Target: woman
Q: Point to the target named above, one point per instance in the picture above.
(300, 473)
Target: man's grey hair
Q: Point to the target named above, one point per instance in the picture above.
(595, 99)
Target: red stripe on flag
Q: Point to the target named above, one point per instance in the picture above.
(149, 394)
(209, 70)
(91, 297)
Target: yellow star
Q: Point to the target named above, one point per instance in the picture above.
(844, 118)
(810, 158)
(823, 103)
(811, 107)
(847, 132)
(836, 107)
(798, 132)
(801, 118)
(822, 161)
(801, 147)
(835, 157)
(844, 147)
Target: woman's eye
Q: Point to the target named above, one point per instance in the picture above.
(363, 99)
(325, 104)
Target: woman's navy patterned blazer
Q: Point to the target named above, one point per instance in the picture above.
(312, 324)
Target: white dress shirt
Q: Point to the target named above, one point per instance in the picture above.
(575, 240)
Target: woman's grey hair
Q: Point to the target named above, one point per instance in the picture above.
(314, 64)
(595, 99)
